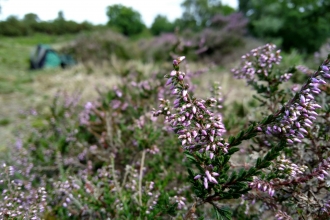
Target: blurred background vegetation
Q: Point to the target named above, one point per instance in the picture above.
(291, 24)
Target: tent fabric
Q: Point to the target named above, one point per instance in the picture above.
(52, 59)
(45, 57)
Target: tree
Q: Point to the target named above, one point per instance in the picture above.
(125, 19)
(198, 13)
(60, 16)
(161, 25)
(13, 27)
(31, 18)
(301, 24)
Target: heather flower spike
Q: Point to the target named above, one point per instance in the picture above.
(177, 61)
(202, 130)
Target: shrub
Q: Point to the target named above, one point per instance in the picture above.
(100, 46)
(102, 161)
(211, 44)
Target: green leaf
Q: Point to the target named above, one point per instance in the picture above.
(219, 160)
(233, 176)
(226, 159)
(191, 157)
(238, 186)
(237, 143)
(223, 213)
(232, 150)
(265, 164)
(251, 135)
(240, 135)
(191, 173)
(231, 139)
(241, 173)
(258, 162)
(250, 128)
(252, 171)
(267, 120)
(249, 179)
(257, 173)
(226, 168)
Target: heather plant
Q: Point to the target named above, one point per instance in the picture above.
(108, 159)
(129, 156)
(41, 158)
(288, 177)
(19, 198)
(112, 158)
(221, 38)
(54, 136)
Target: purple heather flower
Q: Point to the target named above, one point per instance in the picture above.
(263, 186)
(197, 177)
(206, 184)
(265, 60)
(169, 81)
(202, 130)
(300, 114)
(325, 68)
(210, 177)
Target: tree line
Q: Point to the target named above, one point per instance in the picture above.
(31, 24)
(300, 24)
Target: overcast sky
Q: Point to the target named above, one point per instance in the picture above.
(93, 11)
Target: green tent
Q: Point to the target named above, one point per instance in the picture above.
(44, 56)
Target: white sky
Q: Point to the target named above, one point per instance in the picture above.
(93, 11)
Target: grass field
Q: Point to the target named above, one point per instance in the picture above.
(22, 90)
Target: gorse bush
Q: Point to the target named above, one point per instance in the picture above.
(113, 158)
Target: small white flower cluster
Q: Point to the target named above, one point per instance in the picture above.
(292, 169)
(263, 186)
